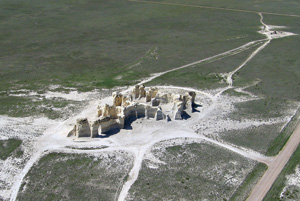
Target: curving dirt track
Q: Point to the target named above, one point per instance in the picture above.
(263, 186)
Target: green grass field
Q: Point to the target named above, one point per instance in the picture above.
(10, 147)
(87, 44)
(192, 172)
(206, 75)
(285, 7)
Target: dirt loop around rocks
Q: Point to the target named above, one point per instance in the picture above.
(265, 183)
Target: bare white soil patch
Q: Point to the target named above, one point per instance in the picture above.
(28, 130)
(71, 95)
(292, 189)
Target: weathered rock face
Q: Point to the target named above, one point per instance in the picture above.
(82, 128)
(151, 112)
(125, 109)
(112, 111)
(155, 102)
(95, 126)
(126, 101)
(142, 93)
(178, 110)
(140, 110)
(117, 99)
(163, 98)
(151, 94)
(193, 96)
(110, 125)
(136, 92)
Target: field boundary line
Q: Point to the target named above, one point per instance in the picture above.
(215, 8)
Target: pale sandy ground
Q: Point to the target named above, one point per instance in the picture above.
(292, 181)
(145, 133)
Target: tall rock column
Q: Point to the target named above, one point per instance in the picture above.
(82, 128)
(193, 95)
(117, 99)
(142, 91)
(136, 92)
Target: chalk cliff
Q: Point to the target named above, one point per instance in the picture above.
(140, 103)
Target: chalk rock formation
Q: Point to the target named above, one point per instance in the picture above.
(151, 94)
(136, 92)
(142, 92)
(82, 128)
(117, 99)
(126, 100)
(125, 109)
(178, 110)
(155, 102)
(150, 112)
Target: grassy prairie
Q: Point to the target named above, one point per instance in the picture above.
(257, 138)
(281, 139)
(289, 24)
(206, 75)
(277, 68)
(267, 139)
(24, 106)
(191, 172)
(102, 44)
(87, 44)
(286, 7)
(8, 147)
(60, 176)
(264, 108)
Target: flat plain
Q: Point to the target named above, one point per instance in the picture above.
(59, 59)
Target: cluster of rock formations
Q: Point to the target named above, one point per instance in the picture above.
(140, 103)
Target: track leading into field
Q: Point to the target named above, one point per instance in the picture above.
(214, 8)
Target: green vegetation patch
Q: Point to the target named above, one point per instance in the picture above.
(277, 66)
(279, 142)
(199, 80)
(257, 138)
(290, 24)
(233, 92)
(191, 172)
(205, 75)
(10, 146)
(24, 106)
(285, 7)
(88, 44)
(263, 108)
(291, 193)
(76, 177)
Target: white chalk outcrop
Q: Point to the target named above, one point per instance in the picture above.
(140, 103)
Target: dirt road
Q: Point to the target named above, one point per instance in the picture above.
(265, 183)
